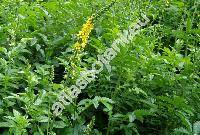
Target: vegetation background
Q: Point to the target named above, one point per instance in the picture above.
(153, 88)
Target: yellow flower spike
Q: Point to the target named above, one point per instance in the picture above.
(83, 35)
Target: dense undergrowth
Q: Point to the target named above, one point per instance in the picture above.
(153, 88)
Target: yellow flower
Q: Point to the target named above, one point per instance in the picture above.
(77, 46)
(83, 35)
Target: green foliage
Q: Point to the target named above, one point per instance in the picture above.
(153, 87)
